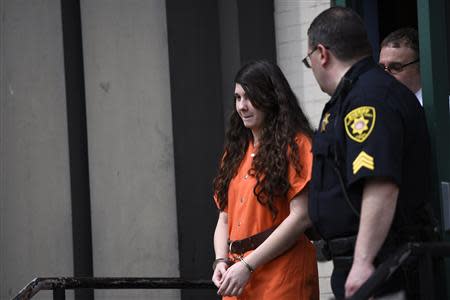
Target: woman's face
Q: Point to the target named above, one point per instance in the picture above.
(251, 117)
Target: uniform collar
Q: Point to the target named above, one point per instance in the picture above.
(359, 68)
(352, 75)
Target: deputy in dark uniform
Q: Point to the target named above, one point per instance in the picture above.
(371, 155)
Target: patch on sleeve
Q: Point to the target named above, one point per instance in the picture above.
(359, 123)
(363, 160)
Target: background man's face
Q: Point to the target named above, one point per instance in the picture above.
(410, 76)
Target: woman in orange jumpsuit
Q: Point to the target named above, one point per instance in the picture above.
(261, 192)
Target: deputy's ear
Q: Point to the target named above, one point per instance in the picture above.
(324, 54)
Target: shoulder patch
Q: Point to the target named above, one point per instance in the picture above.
(363, 160)
(359, 123)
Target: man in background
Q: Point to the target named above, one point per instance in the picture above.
(400, 55)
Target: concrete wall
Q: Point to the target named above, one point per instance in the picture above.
(292, 19)
(129, 123)
(35, 217)
(130, 145)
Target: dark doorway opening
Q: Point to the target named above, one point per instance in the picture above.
(385, 16)
(395, 14)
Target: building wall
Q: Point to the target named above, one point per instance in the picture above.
(134, 222)
(292, 20)
(35, 216)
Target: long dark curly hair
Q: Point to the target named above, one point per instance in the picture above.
(268, 91)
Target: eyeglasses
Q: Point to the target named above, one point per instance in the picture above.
(395, 68)
(307, 60)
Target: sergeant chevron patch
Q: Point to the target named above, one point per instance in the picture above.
(363, 160)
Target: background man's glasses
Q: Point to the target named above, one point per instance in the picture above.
(396, 68)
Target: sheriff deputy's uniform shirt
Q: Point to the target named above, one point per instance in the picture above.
(373, 126)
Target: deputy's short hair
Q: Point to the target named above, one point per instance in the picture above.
(342, 31)
(403, 37)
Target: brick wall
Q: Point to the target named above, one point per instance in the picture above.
(292, 19)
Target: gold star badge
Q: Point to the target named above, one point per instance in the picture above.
(359, 123)
(363, 160)
(325, 121)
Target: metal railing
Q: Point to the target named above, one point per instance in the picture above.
(60, 284)
(425, 252)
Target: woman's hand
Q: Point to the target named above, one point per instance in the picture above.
(234, 280)
(219, 273)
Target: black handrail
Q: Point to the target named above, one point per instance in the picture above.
(424, 251)
(60, 284)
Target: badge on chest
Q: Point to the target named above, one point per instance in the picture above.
(325, 121)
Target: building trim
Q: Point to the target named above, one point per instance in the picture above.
(78, 144)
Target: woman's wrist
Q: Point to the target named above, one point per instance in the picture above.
(225, 260)
(247, 265)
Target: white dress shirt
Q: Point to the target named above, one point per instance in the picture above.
(419, 96)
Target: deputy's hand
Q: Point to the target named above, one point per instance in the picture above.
(359, 273)
(219, 272)
(234, 280)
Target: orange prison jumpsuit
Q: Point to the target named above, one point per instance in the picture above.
(292, 275)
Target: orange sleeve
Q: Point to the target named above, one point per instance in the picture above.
(299, 181)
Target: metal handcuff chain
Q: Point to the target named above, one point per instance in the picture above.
(241, 259)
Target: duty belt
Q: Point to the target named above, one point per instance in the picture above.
(341, 250)
(342, 246)
(251, 243)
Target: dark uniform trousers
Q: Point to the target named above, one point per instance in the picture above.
(372, 127)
